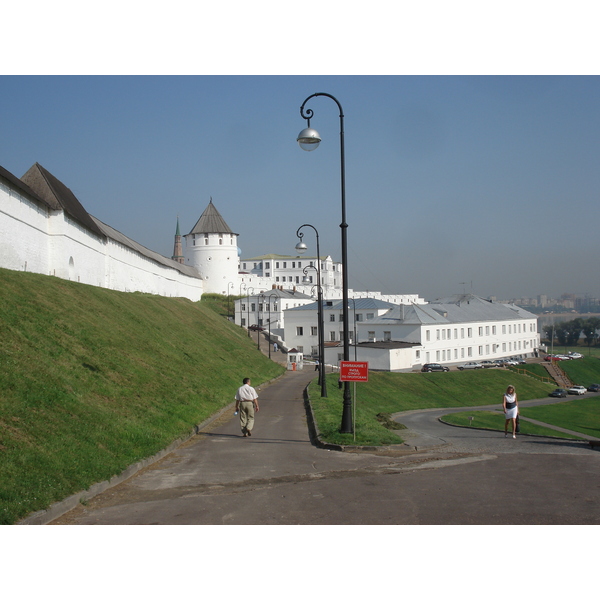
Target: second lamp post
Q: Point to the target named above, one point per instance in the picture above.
(301, 248)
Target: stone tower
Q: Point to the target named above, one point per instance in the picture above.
(178, 249)
(211, 247)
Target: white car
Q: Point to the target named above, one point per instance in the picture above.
(575, 355)
(577, 389)
(471, 365)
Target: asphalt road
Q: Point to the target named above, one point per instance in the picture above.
(455, 476)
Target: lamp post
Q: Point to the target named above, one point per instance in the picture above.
(309, 139)
(248, 307)
(269, 311)
(301, 248)
(228, 298)
(258, 319)
(241, 313)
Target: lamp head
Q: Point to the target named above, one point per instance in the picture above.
(309, 139)
(301, 247)
(306, 280)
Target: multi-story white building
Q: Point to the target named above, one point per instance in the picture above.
(288, 272)
(402, 338)
(267, 309)
(301, 323)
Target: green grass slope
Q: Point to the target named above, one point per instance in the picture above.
(93, 380)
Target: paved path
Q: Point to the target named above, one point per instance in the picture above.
(457, 476)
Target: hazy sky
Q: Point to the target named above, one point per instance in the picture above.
(478, 183)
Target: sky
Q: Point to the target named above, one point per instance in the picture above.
(478, 180)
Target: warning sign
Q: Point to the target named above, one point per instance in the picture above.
(354, 371)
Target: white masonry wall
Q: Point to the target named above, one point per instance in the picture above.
(36, 239)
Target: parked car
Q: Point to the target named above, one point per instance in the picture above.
(577, 390)
(558, 393)
(575, 355)
(488, 364)
(563, 357)
(594, 388)
(471, 365)
(551, 357)
(431, 367)
(499, 363)
(512, 361)
(256, 328)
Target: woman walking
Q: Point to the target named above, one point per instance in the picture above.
(511, 410)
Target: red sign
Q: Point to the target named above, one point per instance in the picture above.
(354, 371)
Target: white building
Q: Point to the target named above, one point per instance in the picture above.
(402, 338)
(279, 270)
(451, 331)
(301, 323)
(45, 229)
(267, 309)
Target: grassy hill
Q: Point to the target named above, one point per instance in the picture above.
(93, 380)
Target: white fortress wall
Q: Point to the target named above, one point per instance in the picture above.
(40, 240)
(23, 232)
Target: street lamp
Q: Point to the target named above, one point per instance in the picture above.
(269, 309)
(230, 284)
(241, 313)
(248, 307)
(309, 139)
(301, 248)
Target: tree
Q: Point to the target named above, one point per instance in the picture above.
(590, 327)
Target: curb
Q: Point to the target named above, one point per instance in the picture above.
(45, 516)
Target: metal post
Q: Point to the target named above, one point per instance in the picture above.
(346, 425)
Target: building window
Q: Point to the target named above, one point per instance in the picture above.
(358, 317)
(427, 335)
(332, 318)
(267, 266)
(469, 333)
(372, 316)
(277, 265)
(503, 329)
(285, 265)
(243, 307)
(387, 336)
(332, 336)
(480, 331)
(299, 331)
(313, 331)
(487, 330)
(493, 330)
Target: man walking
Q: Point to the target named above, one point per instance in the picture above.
(246, 402)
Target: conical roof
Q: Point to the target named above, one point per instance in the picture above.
(211, 222)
